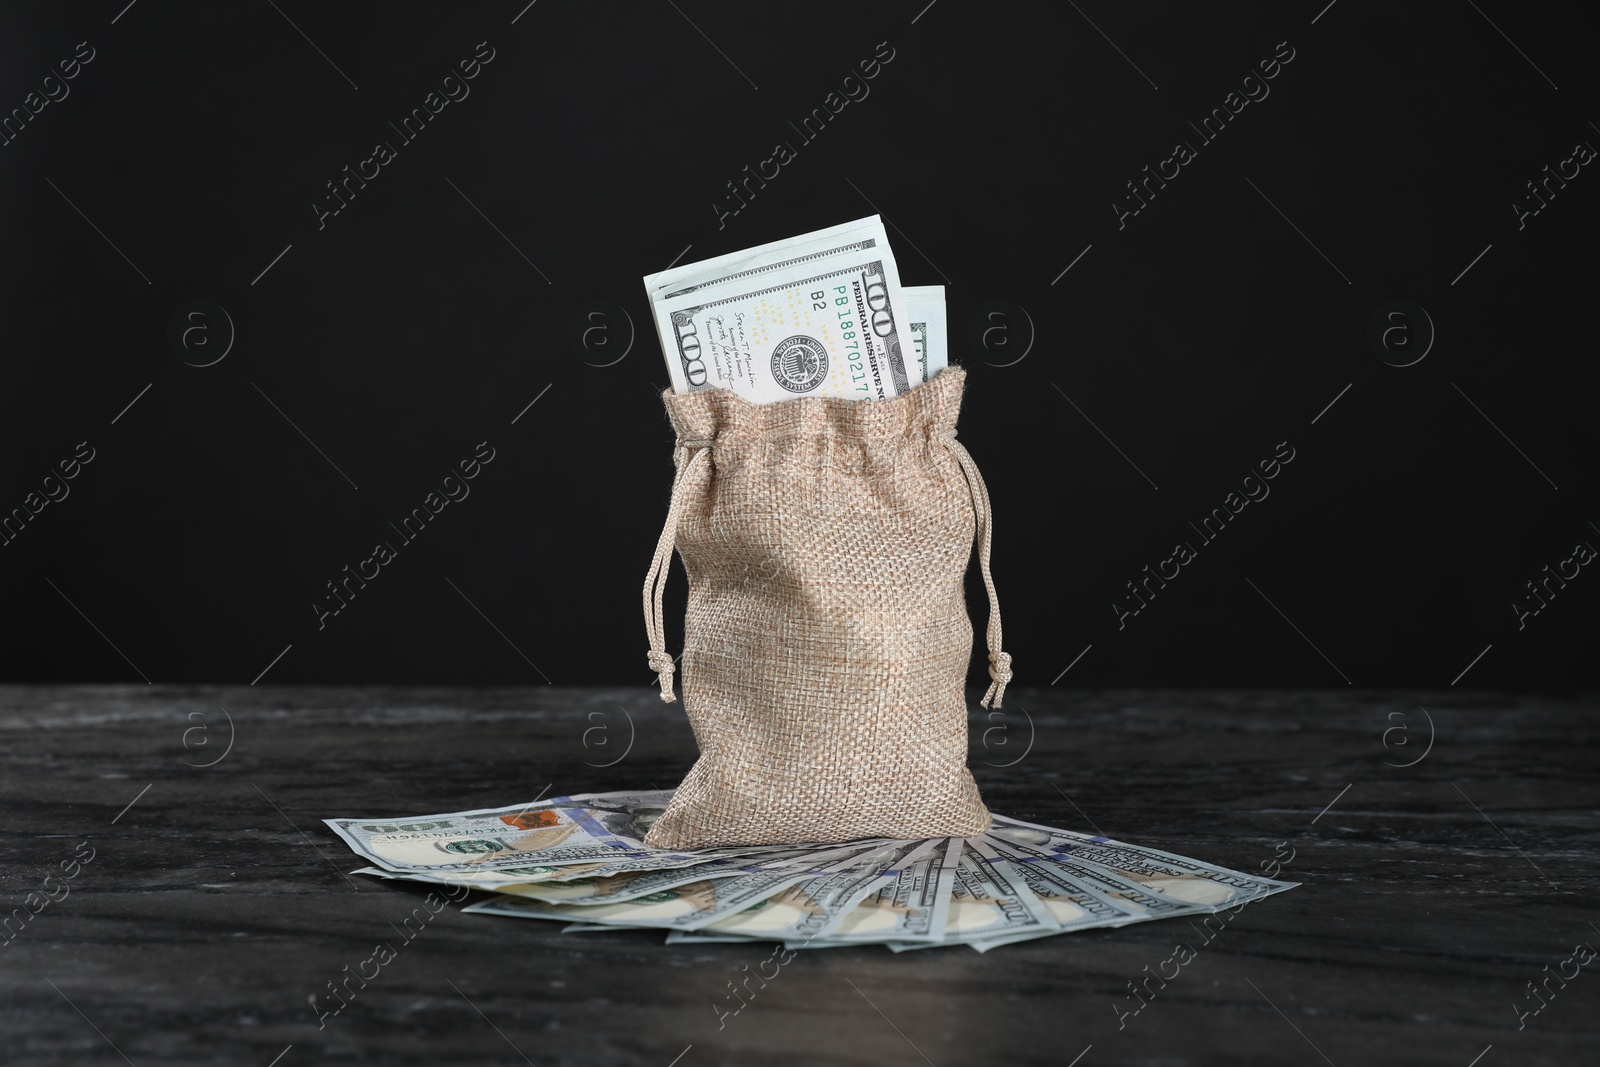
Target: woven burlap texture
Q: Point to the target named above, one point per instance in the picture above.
(826, 640)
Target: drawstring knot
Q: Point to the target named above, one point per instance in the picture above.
(1000, 674)
(663, 665)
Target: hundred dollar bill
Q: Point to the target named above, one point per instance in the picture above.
(1178, 877)
(608, 884)
(1099, 882)
(495, 881)
(587, 828)
(912, 907)
(1073, 906)
(747, 856)
(683, 907)
(830, 333)
(812, 908)
(536, 882)
(761, 261)
(925, 317)
(706, 937)
(988, 900)
(1069, 903)
(617, 888)
(800, 318)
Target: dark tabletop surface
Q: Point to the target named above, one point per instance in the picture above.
(1445, 843)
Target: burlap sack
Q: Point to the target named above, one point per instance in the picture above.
(827, 640)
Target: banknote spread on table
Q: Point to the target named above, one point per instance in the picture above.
(820, 314)
(580, 860)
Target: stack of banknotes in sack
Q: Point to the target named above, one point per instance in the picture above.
(821, 314)
(579, 860)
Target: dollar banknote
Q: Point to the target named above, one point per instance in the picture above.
(814, 907)
(601, 886)
(739, 268)
(495, 881)
(705, 937)
(1108, 886)
(820, 314)
(588, 828)
(989, 900)
(617, 888)
(913, 906)
(688, 906)
(1072, 906)
(925, 317)
(1170, 875)
(757, 858)
(581, 860)
(1070, 903)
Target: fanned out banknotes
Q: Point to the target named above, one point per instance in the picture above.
(821, 314)
(580, 860)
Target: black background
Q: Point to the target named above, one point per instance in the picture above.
(424, 317)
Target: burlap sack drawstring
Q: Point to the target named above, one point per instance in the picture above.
(655, 582)
(999, 662)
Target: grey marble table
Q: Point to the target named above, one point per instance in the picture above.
(1445, 842)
